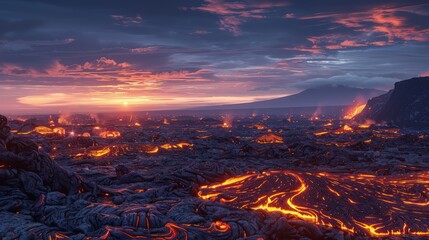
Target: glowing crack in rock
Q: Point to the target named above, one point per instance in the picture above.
(363, 204)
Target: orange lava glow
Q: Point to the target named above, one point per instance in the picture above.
(258, 126)
(327, 124)
(221, 226)
(86, 134)
(363, 204)
(63, 120)
(175, 146)
(100, 152)
(152, 150)
(269, 138)
(347, 128)
(364, 126)
(58, 235)
(43, 130)
(344, 129)
(110, 134)
(320, 133)
(59, 130)
(355, 111)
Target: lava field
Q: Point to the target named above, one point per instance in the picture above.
(215, 177)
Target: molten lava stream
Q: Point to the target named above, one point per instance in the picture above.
(363, 204)
(354, 111)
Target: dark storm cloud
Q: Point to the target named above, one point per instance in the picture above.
(184, 49)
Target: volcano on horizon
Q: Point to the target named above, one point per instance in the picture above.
(322, 96)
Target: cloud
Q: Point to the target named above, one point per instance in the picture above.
(180, 54)
(348, 80)
(101, 64)
(127, 21)
(313, 49)
(143, 50)
(231, 24)
(30, 45)
(234, 14)
(105, 70)
(200, 32)
(379, 26)
(20, 26)
(289, 15)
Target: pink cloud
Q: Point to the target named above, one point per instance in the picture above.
(103, 69)
(102, 64)
(289, 15)
(145, 49)
(14, 70)
(126, 21)
(231, 24)
(351, 43)
(201, 32)
(381, 22)
(234, 14)
(313, 50)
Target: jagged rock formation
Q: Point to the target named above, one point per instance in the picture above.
(36, 170)
(406, 105)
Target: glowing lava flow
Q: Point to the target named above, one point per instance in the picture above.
(355, 111)
(363, 204)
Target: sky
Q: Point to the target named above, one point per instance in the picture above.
(110, 55)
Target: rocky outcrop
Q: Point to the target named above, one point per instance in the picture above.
(406, 105)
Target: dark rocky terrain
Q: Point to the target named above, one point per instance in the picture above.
(248, 177)
(406, 105)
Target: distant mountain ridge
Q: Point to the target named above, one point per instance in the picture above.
(328, 95)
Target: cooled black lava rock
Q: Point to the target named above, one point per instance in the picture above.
(406, 105)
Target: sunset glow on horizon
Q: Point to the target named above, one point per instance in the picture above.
(159, 55)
